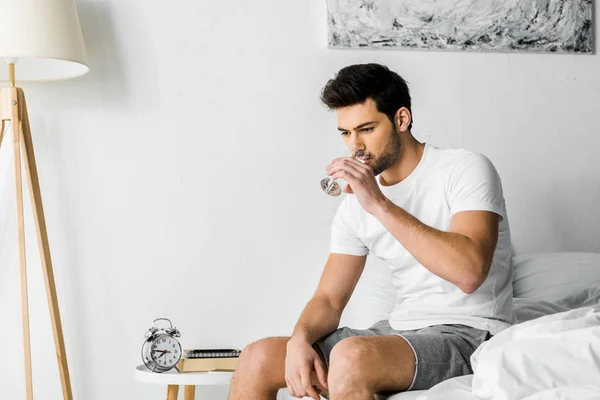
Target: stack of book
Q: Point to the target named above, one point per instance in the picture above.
(205, 360)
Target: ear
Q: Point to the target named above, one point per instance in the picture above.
(402, 119)
(348, 189)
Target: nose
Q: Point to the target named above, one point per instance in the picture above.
(355, 143)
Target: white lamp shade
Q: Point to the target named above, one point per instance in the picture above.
(44, 38)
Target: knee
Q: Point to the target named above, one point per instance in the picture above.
(256, 359)
(348, 369)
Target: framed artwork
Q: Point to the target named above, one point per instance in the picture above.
(562, 26)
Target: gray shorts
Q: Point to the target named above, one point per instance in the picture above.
(442, 351)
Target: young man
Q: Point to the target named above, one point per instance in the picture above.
(437, 217)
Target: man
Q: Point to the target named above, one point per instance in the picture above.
(437, 217)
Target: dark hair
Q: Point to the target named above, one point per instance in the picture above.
(355, 83)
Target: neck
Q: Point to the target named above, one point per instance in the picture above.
(411, 152)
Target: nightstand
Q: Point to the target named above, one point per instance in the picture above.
(173, 379)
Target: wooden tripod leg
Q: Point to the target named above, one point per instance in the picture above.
(16, 127)
(1, 133)
(42, 235)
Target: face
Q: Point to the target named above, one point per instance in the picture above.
(165, 351)
(370, 135)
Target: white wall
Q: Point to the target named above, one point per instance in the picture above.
(180, 176)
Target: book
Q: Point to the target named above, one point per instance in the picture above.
(205, 360)
(207, 364)
(211, 353)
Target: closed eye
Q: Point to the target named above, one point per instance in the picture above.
(364, 130)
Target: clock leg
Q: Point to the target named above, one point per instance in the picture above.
(190, 392)
(172, 392)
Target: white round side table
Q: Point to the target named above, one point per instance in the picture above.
(173, 379)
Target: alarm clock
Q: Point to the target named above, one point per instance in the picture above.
(161, 350)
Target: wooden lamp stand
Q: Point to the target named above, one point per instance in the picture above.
(14, 110)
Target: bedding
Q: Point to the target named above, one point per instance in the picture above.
(555, 351)
(554, 276)
(521, 362)
(556, 356)
(527, 309)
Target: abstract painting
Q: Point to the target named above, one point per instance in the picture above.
(563, 26)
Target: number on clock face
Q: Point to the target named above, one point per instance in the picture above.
(165, 351)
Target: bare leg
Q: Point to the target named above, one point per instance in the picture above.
(362, 366)
(260, 372)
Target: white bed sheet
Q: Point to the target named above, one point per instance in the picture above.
(555, 357)
(453, 389)
(532, 367)
(412, 395)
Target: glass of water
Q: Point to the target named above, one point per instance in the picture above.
(334, 187)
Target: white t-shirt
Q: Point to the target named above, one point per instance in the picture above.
(444, 182)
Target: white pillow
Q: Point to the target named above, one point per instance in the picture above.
(527, 309)
(554, 276)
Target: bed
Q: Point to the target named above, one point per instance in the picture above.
(551, 353)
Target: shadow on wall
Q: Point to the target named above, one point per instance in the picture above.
(107, 85)
(106, 79)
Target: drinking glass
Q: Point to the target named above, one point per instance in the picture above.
(334, 187)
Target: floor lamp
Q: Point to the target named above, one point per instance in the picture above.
(41, 40)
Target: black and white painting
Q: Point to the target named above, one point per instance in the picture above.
(485, 25)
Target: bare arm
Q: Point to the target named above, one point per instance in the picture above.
(320, 317)
(462, 256)
(322, 314)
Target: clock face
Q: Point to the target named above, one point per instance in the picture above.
(165, 351)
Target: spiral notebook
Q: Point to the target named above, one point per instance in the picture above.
(212, 353)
